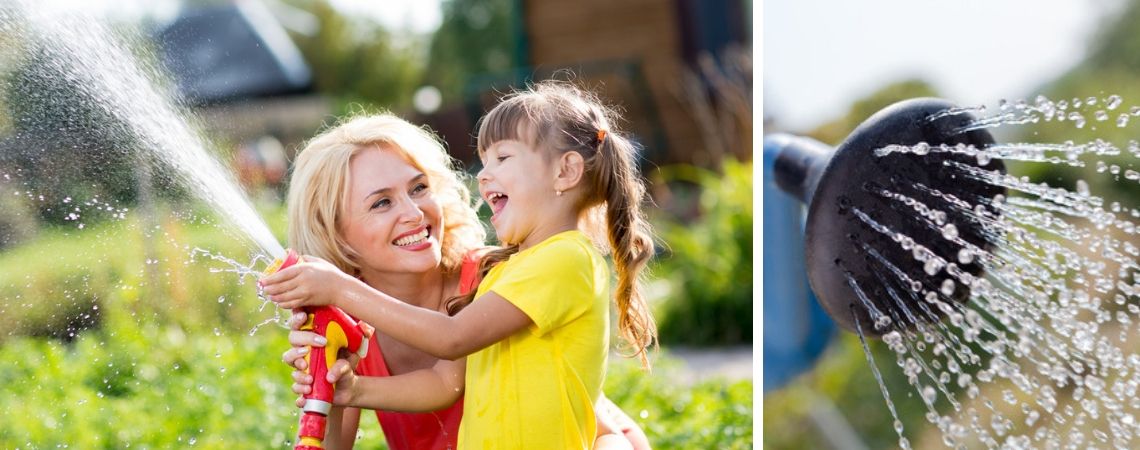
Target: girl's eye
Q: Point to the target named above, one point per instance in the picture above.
(381, 203)
(502, 158)
(419, 188)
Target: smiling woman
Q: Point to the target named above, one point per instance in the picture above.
(379, 199)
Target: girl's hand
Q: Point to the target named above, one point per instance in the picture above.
(313, 282)
(341, 375)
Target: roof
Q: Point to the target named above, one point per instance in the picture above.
(232, 52)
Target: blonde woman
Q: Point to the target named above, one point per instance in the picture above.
(381, 200)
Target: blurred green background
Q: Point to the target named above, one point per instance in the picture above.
(125, 330)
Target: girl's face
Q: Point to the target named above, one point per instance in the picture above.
(391, 217)
(517, 182)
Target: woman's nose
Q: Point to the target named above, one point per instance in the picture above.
(412, 212)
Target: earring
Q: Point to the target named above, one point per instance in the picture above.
(558, 192)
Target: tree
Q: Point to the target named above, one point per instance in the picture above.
(476, 37)
(358, 60)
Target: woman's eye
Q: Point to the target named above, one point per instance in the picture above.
(381, 203)
(419, 188)
(502, 158)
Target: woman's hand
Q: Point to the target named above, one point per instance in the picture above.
(341, 374)
(312, 282)
(301, 341)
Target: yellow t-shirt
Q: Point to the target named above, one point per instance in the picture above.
(536, 389)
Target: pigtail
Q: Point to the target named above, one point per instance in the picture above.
(489, 260)
(631, 242)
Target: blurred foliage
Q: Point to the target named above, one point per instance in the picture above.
(146, 385)
(834, 132)
(358, 60)
(55, 149)
(128, 261)
(675, 415)
(162, 357)
(843, 379)
(475, 37)
(1110, 67)
(707, 264)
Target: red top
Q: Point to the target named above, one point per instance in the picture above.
(437, 430)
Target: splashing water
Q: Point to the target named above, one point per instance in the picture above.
(85, 52)
(1042, 352)
(253, 270)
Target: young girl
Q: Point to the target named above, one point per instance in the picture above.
(537, 330)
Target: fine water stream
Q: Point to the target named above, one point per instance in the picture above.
(1044, 349)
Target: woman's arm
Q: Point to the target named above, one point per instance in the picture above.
(316, 282)
(422, 390)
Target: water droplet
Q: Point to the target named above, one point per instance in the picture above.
(1082, 187)
(965, 256)
(947, 288)
(1122, 120)
(1113, 102)
(921, 148)
(983, 158)
(932, 266)
(1100, 115)
(929, 394)
(950, 232)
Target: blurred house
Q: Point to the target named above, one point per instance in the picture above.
(236, 65)
(644, 56)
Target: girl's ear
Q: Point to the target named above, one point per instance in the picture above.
(571, 166)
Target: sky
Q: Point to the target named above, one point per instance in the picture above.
(821, 55)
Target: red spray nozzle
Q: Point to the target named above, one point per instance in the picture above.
(342, 332)
(291, 257)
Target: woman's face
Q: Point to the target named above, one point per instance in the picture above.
(392, 218)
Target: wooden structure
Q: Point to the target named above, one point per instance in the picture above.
(637, 54)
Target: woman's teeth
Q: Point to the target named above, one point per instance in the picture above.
(413, 239)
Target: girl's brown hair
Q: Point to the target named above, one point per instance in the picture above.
(558, 117)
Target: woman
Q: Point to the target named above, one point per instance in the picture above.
(379, 198)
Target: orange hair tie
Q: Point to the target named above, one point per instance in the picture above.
(601, 136)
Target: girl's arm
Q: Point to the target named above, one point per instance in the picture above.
(342, 426)
(423, 390)
(316, 282)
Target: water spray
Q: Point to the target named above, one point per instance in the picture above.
(342, 332)
(851, 229)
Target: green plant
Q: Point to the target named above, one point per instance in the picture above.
(707, 263)
(675, 415)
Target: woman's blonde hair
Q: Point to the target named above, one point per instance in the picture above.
(318, 188)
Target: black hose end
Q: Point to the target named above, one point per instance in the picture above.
(846, 255)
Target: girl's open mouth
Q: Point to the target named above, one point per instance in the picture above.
(498, 201)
